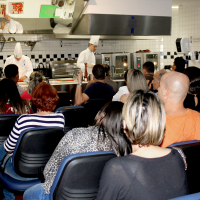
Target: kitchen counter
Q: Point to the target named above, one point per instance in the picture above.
(69, 86)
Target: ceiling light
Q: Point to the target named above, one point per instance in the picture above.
(175, 7)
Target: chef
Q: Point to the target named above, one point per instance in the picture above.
(87, 56)
(23, 62)
(11, 27)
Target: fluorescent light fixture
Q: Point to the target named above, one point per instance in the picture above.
(175, 7)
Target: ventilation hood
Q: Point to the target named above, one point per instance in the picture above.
(122, 18)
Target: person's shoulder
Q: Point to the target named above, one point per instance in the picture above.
(193, 113)
(10, 57)
(25, 57)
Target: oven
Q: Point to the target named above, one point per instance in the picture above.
(138, 59)
(119, 62)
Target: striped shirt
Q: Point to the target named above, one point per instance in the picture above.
(32, 121)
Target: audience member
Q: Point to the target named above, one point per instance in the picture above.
(156, 79)
(10, 100)
(182, 124)
(45, 98)
(149, 172)
(193, 95)
(96, 90)
(178, 64)
(135, 81)
(107, 78)
(11, 71)
(148, 71)
(35, 78)
(106, 135)
(122, 89)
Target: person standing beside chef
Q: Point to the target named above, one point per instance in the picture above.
(87, 56)
(23, 62)
(10, 26)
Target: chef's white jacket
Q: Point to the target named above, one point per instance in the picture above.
(24, 65)
(18, 26)
(88, 57)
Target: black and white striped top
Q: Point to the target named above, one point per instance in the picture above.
(32, 121)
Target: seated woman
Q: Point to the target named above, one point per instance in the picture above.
(149, 172)
(135, 81)
(35, 78)
(10, 100)
(45, 98)
(106, 135)
(193, 96)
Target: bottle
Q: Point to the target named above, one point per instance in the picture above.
(86, 77)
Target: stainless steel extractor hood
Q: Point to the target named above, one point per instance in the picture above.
(122, 18)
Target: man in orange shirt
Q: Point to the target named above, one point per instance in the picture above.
(182, 124)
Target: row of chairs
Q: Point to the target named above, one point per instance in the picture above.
(75, 116)
(78, 175)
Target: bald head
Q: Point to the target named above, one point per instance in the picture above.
(175, 86)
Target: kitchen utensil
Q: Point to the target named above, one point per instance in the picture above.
(16, 7)
(11, 39)
(2, 38)
(61, 3)
(54, 2)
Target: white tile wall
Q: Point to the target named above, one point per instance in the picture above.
(185, 23)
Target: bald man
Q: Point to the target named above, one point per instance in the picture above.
(182, 124)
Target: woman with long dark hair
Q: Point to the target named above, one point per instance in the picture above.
(106, 135)
(10, 100)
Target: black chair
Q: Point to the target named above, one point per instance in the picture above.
(78, 176)
(93, 106)
(7, 123)
(75, 116)
(64, 99)
(191, 150)
(33, 149)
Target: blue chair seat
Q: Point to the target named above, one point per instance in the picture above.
(195, 196)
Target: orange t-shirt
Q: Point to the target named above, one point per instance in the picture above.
(182, 127)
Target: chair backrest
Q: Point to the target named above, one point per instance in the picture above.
(191, 150)
(93, 106)
(75, 116)
(64, 99)
(7, 123)
(188, 197)
(78, 176)
(33, 150)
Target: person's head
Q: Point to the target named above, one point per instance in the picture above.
(173, 88)
(109, 121)
(10, 92)
(156, 79)
(107, 69)
(192, 73)
(144, 118)
(148, 68)
(11, 72)
(93, 43)
(178, 65)
(99, 72)
(44, 97)
(125, 76)
(195, 86)
(136, 80)
(92, 47)
(35, 78)
(18, 51)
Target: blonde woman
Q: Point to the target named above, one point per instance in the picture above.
(149, 172)
(135, 81)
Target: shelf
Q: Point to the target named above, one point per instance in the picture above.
(3, 43)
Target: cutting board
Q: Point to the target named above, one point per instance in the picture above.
(48, 11)
(65, 79)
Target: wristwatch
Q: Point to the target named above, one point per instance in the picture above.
(80, 84)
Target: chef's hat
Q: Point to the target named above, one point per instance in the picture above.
(94, 40)
(18, 50)
(12, 26)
